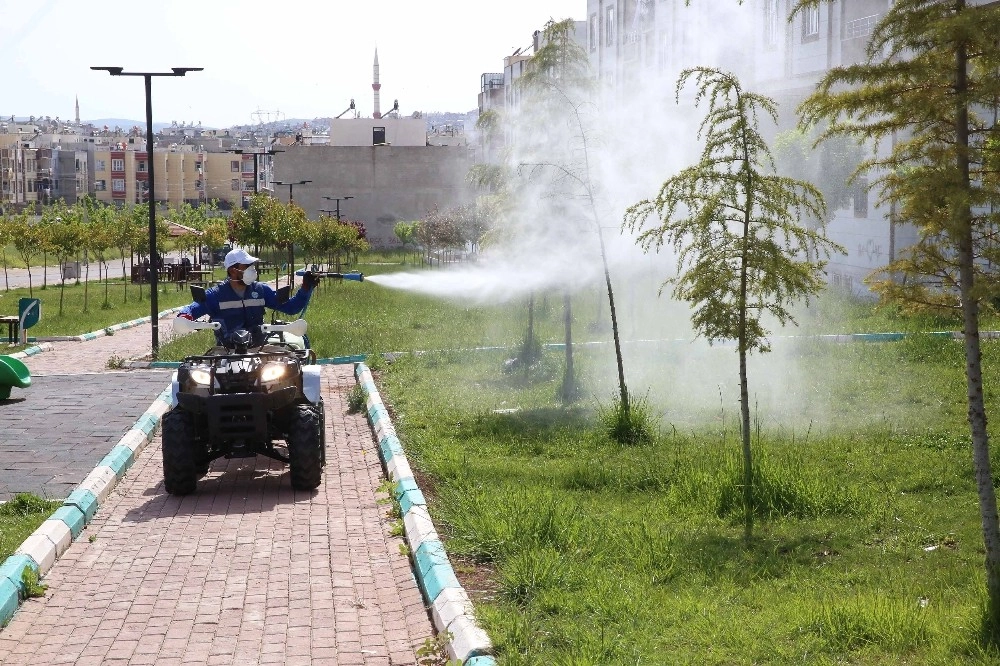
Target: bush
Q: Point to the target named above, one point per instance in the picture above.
(636, 427)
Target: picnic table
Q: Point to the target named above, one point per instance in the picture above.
(13, 324)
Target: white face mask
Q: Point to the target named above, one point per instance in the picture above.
(250, 275)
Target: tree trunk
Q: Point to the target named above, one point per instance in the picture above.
(86, 285)
(742, 305)
(622, 388)
(973, 357)
(569, 376)
(125, 278)
(45, 270)
(528, 352)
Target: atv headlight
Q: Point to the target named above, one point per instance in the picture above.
(199, 376)
(272, 371)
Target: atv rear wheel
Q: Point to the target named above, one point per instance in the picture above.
(305, 449)
(180, 469)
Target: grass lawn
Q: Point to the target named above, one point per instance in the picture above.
(868, 545)
(19, 518)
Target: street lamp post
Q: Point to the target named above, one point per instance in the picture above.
(338, 200)
(148, 76)
(291, 241)
(256, 156)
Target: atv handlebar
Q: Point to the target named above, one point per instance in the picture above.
(182, 325)
(297, 327)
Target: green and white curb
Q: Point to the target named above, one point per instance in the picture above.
(46, 544)
(450, 607)
(31, 351)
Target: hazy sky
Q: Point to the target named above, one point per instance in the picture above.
(303, 58)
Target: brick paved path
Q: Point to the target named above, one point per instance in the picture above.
(244, 571)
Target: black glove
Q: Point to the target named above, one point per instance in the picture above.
(309, 280)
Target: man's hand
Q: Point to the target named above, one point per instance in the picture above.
(185, 315)
(309, 280)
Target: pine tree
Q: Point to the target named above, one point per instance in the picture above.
(929, 87)
(734, 222)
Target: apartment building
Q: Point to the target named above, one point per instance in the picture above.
(638, 47)
(183, 174)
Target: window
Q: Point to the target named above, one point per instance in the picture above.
(247, 166)
(772, 23)
(248, 186)
(100, 165)
(140, 166)
(118, 184)
(234, 166)
(609, 26)
(861, 198)
(234, 185)
(117, 165)
(101, 185)
(810, 24)
(860, 27)
(378, 136)
(594, 36)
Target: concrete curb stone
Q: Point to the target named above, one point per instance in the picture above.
(453, 615)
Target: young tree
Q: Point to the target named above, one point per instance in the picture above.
(735, 226)
(930, 73)
(27, 241)
(404, 233)
(98, 238)
(559, 84)
(66, 237)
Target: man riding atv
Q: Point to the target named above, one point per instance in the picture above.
(258, 392)
(238, 303)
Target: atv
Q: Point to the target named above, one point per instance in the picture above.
(239, 401)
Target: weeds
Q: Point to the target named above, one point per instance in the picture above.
(33, 589)
(434, 652)
(357, 398)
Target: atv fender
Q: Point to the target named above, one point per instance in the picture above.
(175, 387)
(312, 386)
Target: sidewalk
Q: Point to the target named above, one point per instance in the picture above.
(244, 571)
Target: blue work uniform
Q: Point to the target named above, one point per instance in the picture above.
(225, 306)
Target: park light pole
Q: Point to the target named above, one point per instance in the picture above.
(256, 157)
(338, 200)
(291, 241)
(290, 186)
(148, 76)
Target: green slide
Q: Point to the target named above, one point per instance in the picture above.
(12, 373)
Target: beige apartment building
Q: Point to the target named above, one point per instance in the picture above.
(182, 175)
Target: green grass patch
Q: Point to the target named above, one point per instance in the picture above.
(867, 547)
(19, 517)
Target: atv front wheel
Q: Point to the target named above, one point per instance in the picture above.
(180, 469)
(305, 449)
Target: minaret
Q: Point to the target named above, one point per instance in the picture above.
(77, 109)
(376, 85)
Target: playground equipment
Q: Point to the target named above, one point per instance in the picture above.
(13, 373)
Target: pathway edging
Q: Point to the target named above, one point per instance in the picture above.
(451, 608)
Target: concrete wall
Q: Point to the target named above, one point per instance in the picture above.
(398, 131)
(388, 183)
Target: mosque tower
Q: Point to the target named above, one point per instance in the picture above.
(77, 109)
(375, 86)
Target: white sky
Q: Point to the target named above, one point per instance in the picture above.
(306, 58)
